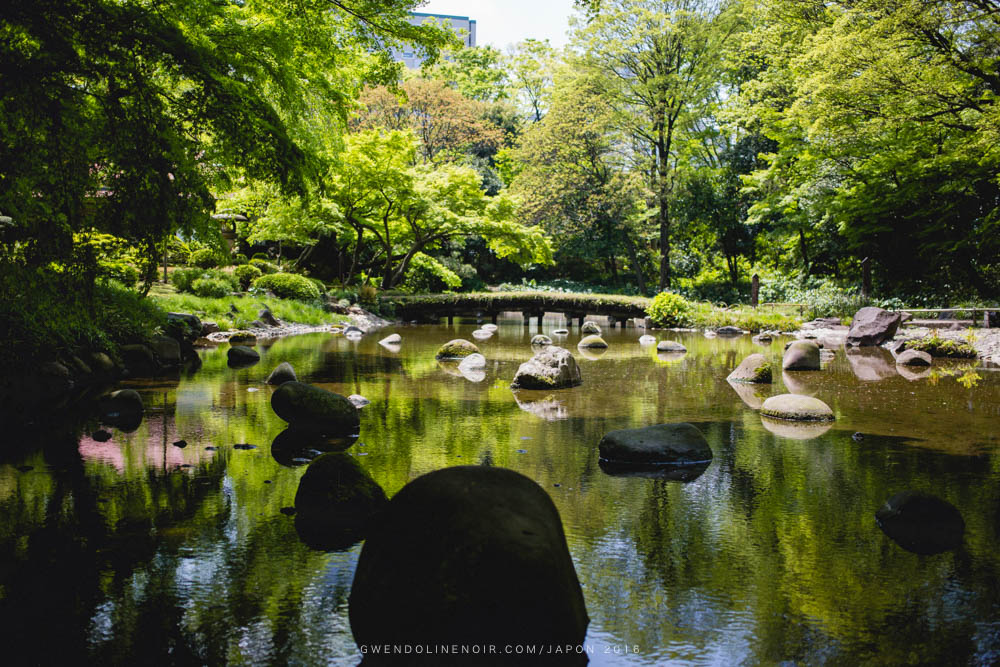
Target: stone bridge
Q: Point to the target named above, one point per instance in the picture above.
(574, 307)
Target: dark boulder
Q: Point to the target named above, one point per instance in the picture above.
(335, 501)
(166, 350)
(552, 367)
(729, 331)
(192, 325)
(921, 523)
(268, 318)
(313, 409)
(240, 356)
(139, 360)
(469, 555)
(801, 355)
(755, 368)
(121, 409)
(660, 444)
(282, 373)
(872, 326)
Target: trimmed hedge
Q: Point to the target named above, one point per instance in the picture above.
(246, 274)
(288, 286)
(211, 287)
(264, 266)
(206, 258)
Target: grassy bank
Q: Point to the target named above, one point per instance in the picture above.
(780, 318)
(247, 308)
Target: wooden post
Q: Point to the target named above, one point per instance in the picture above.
(451, 319)
(866, 278)
(493, 317)
(754, 289)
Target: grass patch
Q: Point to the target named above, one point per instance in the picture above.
(219, 310)
(593, 304)
(936, 346)
(707, 316)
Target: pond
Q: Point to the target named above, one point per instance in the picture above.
(135, 551)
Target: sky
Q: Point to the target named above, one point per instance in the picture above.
(503, 22)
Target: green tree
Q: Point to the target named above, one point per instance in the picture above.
(885, 119)
(574, 181)
(406, 210)
(661, 58)
(531, 65)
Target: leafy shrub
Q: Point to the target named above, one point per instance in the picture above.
(206, 258)
(211, 287)
(126, 274)
(246, 274)
(669, 310)
(264, 266)
(239, 259)
(320, 285)
(288, 286)
(184, 279)
(367, 294)
(260, 255)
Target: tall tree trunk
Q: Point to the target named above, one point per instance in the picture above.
(803, 248)
(633, 256)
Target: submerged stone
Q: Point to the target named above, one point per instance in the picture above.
(469, 555)
(921, 523)
(240, 356)
(660, 444)
(647, 340)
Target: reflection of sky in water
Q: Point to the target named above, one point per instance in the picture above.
(771, 555)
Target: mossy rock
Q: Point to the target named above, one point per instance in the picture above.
(755, 368)
(243, 338)
(797, 408)
(592, 341)
(458, 348)
(314, 409)
(670, 346)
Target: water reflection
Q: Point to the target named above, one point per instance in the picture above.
(133, 551)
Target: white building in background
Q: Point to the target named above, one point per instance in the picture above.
(462, 25)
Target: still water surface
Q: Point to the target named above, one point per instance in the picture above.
(134, 551)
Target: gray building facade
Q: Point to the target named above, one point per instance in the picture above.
(462, 25)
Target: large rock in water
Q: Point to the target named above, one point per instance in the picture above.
(335, 501)
(590, 328)
(281, 374)
(755, 368)
(872, 326)
(802, 355)
(670, 346)
(921, 523)
(552, 367)
(240, 355)
(796, 407)
(456, 349)
(310, 408)
(660, 444)
(122, 409)
(541, 339)
(471, 556)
